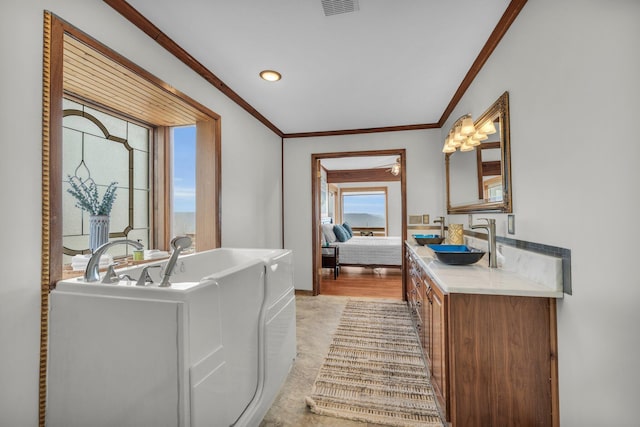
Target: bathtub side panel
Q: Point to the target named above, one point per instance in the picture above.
(280, 345)
(279, 332)
(235, 378)
(205, 321)
(114, 361)
(279, 275)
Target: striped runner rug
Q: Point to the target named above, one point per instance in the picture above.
(375, 371)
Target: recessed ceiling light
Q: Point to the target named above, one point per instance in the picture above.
(270, 75)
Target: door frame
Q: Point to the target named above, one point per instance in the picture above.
(316, 236)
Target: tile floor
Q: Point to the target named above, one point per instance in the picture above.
(317, 317)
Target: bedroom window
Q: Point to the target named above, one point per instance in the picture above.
(365, 209)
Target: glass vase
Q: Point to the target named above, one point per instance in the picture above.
(98, 231)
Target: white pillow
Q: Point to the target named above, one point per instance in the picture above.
(329, 235)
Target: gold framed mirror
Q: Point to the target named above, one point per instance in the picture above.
(480, 180)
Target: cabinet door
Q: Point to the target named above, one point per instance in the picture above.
(428, 322)
(439, 364)
(503, 359)
(409, 267)
(417, 302)
(438, 345)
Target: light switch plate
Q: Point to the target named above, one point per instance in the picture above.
(511, 224)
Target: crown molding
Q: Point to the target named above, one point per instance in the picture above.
(140, 21)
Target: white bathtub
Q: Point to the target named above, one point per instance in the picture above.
(211, 350)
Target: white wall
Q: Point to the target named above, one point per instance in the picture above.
(424, 174)
(571, 69)
(394, 202)
(251, 164)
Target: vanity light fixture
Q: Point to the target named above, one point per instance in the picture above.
(465, 135)
(270, 75)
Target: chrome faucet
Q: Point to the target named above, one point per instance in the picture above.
(441, 221)
(144, 275)
(490, 226)
(92, 272)
(178, 243)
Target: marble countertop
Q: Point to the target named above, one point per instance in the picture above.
(478, 278)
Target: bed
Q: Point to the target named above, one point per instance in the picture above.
(365, 251)
(371, 251)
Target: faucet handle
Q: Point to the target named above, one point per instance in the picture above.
(110, 276)
(144, 275)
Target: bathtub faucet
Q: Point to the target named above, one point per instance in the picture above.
(178, 243)
(92, 272)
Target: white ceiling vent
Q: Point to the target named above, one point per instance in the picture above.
(334, 7)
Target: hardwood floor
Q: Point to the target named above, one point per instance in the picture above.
(363, 282)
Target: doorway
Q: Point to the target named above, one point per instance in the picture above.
(360, 172)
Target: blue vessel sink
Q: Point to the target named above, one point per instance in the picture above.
(425, 239)
(457, 254)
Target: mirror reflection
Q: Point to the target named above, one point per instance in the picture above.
(479, 179)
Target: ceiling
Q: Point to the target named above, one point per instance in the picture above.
(92, 75)
(358, 162)
(389, 64)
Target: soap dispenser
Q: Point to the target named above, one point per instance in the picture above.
(138, 254)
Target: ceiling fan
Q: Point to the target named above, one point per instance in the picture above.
(394, 168)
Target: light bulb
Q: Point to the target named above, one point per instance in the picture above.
(479, 136)
(467, 127)
(472, 142)
(448, 149)
(270, 75)
(466, 147)
(488, 128)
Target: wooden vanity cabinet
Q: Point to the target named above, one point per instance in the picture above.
(414, 294)
(427, 304)
(438, 343)
(492, 358)
(503, 365)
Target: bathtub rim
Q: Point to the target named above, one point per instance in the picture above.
(125, 288)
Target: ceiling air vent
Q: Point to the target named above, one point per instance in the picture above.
(334, 7)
